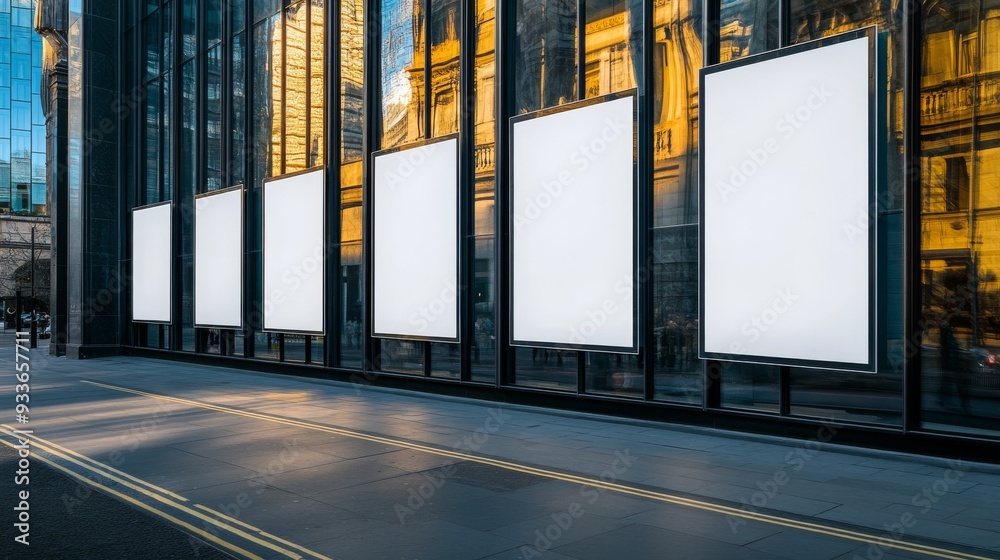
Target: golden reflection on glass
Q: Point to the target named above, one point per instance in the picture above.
(317, 81)
(960, 214)
(295, 106)
(614, 45)
(444, 94)
(483, 363)
(277, 66)
(677, 58)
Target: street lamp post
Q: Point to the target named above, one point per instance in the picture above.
(34, 300)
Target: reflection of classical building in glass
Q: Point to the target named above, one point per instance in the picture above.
(242, 92)
(960, 169)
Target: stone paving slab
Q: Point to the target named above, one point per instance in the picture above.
(340, 494)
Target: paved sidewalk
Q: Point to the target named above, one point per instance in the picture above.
(348, 471)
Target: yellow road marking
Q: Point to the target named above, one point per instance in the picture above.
(100, 465)
(229, 519)
(162, 514)
(856, 536)
(159, 494)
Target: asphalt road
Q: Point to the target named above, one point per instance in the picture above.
(69, 521)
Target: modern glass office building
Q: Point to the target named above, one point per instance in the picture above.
(168, 101)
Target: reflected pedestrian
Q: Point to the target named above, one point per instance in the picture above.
(952, 379)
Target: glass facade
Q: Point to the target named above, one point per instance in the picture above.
(237, 92)
(22, 124)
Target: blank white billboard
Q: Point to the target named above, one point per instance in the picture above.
(787, 188)
(218, 259)
(294, 256)
(416, 239)
(152, 270)
(573, 230)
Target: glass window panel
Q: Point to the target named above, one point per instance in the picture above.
(677, 369)
(402, 72)
(20, 198)
(213, 22)
(151, 33)
(264, 8)
(261, 102)
(295, 348)
(545, 54)
(36, 52)
(5, 51)
(444, 95)
(20, 166)
(20, 90)
(38, 141)
(483, 294)
(166, 137)
(266, 154)
(20, 145)
(352, 328)
(483, 289)
(614, 45)
(352, 49)
(152, 141)
(317, 83)
(20, 115)
(189, 133)
(446, 360)
(167, 28)
(677, 56)
(239, 118)
(20, 67)
(38, 167)
(296, 73)
(750, 386)
(614, 374)
(546, 369)
(960, 219)
(38, 201)
(213, 118)
(37, 116)
(21, 17)
(21, 40)
(237, 11)
(402, 356)
(4, 75)
(189, 28)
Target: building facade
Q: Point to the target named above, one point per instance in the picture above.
(24, 205)
(170, 99)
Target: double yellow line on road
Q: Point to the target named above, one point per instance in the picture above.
(812, 527)
(163, 503)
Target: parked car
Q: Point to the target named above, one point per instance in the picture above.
(981, 360)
